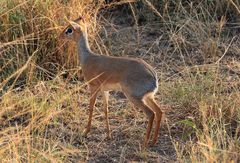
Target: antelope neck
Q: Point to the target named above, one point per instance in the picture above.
(84, 50)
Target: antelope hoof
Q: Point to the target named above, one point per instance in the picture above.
(145, 145)
(109, 136)
(154, 142)
(85, 133)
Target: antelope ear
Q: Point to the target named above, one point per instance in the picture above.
(74, 25)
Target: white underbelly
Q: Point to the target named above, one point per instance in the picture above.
(111, 87)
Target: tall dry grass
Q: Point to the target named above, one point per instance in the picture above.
(193, 45)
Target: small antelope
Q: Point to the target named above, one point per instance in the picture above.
(134, 77)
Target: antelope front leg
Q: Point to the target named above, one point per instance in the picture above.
(105, 105)
(91, 105)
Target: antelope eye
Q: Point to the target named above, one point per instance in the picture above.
(68, 31)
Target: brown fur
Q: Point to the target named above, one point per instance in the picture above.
(134, 77)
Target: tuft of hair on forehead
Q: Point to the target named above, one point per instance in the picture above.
(73, 24)
(77, 24)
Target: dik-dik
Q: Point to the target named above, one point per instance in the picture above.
(134, 77)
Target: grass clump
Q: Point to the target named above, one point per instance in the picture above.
(206, 114)
(37, 124)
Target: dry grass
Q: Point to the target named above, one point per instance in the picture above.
(194, 47)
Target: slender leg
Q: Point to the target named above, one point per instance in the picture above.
(105, 103)
(149, 128)
(150, 114)
(91, 105)
(154, 106)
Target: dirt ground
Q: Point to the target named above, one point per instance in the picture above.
(128, 124)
